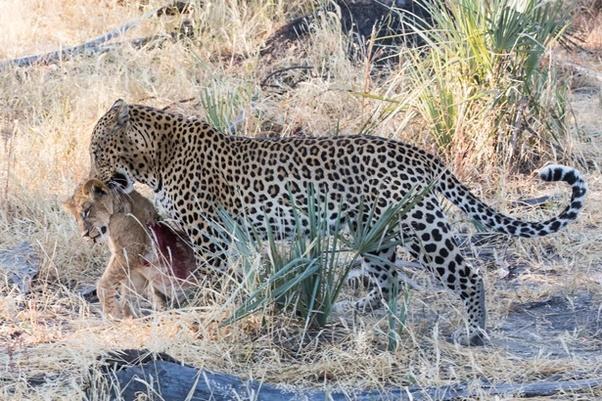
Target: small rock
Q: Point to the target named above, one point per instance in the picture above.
(88, 292)
(20, 265)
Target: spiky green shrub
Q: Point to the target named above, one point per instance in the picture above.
(484, 87)
(305, 277)
(224, 105)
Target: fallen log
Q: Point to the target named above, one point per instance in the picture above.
(95, 45)
(174, 381)
(386, 23)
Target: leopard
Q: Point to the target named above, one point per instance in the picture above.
(147, 256)
(197, 171)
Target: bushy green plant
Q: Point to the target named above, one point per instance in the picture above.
(224, 105)
(483, 69)
(306, 277)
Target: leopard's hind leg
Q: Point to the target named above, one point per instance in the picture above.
(379, 266)
(429, 239)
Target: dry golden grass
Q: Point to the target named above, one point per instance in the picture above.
(47, 114)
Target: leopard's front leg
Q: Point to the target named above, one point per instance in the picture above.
(210, 245)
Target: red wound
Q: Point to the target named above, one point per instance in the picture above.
(173, 250)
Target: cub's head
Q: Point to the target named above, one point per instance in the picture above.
(92, 205)
(122, 150)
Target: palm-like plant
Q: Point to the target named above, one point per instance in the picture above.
(306, 277)
(486, 58)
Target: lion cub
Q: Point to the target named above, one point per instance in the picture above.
(145, 253)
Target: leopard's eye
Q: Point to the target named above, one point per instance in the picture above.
(85, 213)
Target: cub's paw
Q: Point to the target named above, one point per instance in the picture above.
(117, 313)
(357, 277)
(113, 315)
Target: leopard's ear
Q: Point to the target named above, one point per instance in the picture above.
(95, 188)
(120, 113)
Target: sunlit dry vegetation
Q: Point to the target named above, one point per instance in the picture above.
(494, 101)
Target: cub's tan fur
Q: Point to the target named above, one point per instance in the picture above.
(136, 263)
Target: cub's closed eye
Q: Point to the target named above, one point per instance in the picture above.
(85, 213)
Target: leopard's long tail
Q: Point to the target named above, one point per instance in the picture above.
(459, 195)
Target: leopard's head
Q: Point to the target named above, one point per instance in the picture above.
(92, 205)
(121, 150)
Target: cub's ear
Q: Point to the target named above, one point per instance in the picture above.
(96, 188)
(69, 205)
(120, 112)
